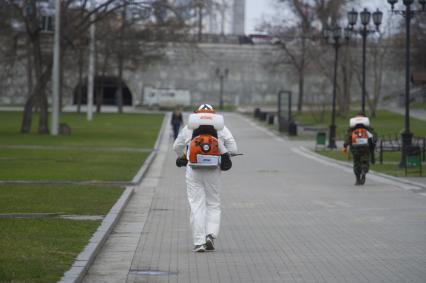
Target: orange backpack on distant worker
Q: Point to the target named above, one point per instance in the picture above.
(359, 137)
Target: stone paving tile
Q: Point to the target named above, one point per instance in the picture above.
(286, 218)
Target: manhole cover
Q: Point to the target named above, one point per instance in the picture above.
(160, 209)
(152, 273)
(268, 171)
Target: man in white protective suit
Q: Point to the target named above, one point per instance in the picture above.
(203, 180)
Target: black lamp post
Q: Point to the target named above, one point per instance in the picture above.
(364, 31)
(333, 36)
(408, 13)
(221, 74)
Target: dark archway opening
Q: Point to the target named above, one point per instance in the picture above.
(105, 91)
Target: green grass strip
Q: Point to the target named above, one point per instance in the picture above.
(26, 164)
(105, 130)
(105, 149)
(385, 122)
(75, 160)
(68, 199)
(390, 164)
(40, 250)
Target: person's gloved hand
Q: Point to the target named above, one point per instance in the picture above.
(181, 161)
(225, 162)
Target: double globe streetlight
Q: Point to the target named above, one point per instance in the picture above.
(333, 36)
(408, 13)
(364, 31)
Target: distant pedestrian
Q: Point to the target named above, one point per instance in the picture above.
(361, 139)
(176, 121)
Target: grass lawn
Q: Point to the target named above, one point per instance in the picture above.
(94, 151)
(390, 164)
(110, 148)
(70, 164)
(419, 105)
(385, 123)
(40, 250)
(106, 130)
(66, 199)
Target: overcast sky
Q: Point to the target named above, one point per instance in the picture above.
(255, 9)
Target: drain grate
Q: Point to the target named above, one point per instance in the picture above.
(152, 272)
(268, 171)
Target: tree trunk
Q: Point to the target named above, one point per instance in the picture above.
(29, 104)
(99, 94)
(61, 78)
(119, 92)
(119, 95)
(29, 68)
(40, 93)
(43, 127)
(80, 80)
(301, 91)
(32, 100)
(43, 122)
(37, 96)
(345, 98)
(100, 98)
(302, 76)
(27, 115)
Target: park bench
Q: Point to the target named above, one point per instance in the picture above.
(388, 144)
(393, 144)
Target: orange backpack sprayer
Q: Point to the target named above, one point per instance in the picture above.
(204, 149)
(359, 137)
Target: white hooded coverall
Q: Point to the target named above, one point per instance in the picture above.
(202, 186)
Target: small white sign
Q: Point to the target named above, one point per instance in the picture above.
(207, 160)
(361, 141)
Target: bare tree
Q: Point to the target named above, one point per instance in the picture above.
(419, 43)
(379, 52)
(9, 41)
(296, 36)
(143, 39)
(28, 13)
(76, 19)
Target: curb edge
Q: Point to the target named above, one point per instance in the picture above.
(85, 259)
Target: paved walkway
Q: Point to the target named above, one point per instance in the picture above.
(288, 216)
